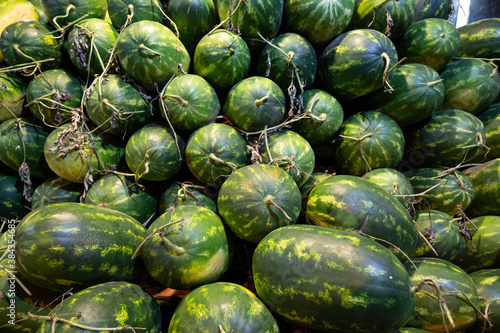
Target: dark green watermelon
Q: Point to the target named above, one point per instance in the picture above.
(143, 10)
(12, 96)
(13, 201)
(55, 190)
(491, 121)
(394, 182)
(331, 280)
(63, 12)
(428, 9)
(486, 180)
(222, 307)
(185, 194)
(480, 39)
(487, 282)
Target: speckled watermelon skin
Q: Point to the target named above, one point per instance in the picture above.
(394, 182)
(486, 180)
(480, 39)
(432, 9)
(331, 280)
(108, 305)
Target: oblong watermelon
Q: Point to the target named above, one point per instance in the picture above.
(487, 282)
(491, 121)
(480, 39)
(486, 180)
(56, 190)
(429, 9)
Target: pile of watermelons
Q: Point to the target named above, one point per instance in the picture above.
(248, 166)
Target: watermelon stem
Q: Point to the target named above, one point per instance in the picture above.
(229, 164)
(171, 247)
(269, 200)
(145, 48)
(445, 311)
(261, 101)
(227, 19)
(434, 83)
(156, 232)
(182, 102)
(54, 319)
(36, 62)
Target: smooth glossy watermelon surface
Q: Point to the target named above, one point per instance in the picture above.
(394, 182)
(487, 282)
(331, 280)
(55, 190)
(485, 178)
(480, 39)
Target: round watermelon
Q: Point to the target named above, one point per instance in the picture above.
(487, 282)
(142, 10)
(55, 190)
(429, 9)
(13, 197)
(394, 182)
(63, 12)
(486, 180)
(185, 194)
(12, 96)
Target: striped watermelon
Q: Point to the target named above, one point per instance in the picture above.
(389, 17)
(491, 121)
(143, 10)
(151, 53)
(448, 138)
(449, 191)
(251, 18)
(72, 245)
(356, 63)
(89, 45)
(54, 96)
(470, 85)
(214, 151)
(154, 153)
(222, 307)
(290, 60)
(324, 117)
(418, 91)
(331, 280)
(487, 282)
(486, 180)
(117, 107)
(29, 41)
(312, 181)
(456, 288)
(257, 199)
(291, 152)
(22, 142)
(222, 58)
(484, 249)
(437, 229)
(121, 193)
(353, 204)
(429, 9)
(12, 96)
(189, 102)
(432, 42)
(394, 182)
(319, 21)
(55, 190)
(185, 194)
(254, 103)
(366, 141)
(78, 155)
(480, 39)
(13, 203)
(111, 306)
(193, 20)
(62, 12)
(188, 248)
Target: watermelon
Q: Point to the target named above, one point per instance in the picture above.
(13, 202)
(448, 138)
(353, 204)
(389, 17)
(214, 151)
(418, 91)
(118, 192)
(73, 245)
(154, 152)
(222, 57)
(366, 141)
(356, 63)
(55, 190)
(111, 306)
(312, 19)
(89, 45)
(192, 19)
(331, 280)
(322, 117)
(437, 230)
(12, 96)
(290, 61)
(78, 155)
(470, 85)
(491, 121)
(186, 247)
(189, 102)
(291, 152)
(142, 10)
(456, 290)
(258, 198)
(222, 307)
(486, 180)
(64, 12)
(487, 282)
(432, 42)
(305, 189)
(55, 96)
(252, 18)
(21, 147)
(151, 53)
(480, 39)
(185, 194)
(28, 42)
(394, 182)
(254, 103)
(117, 107)
(433, 9)
(449, 191)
